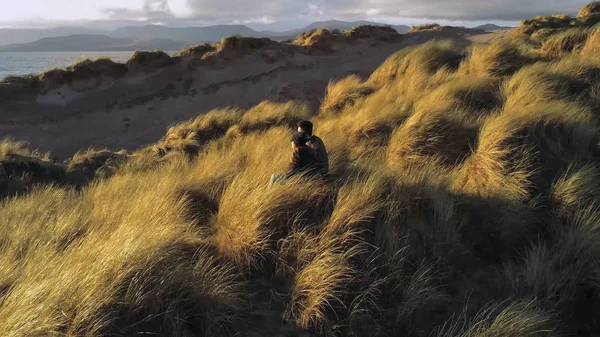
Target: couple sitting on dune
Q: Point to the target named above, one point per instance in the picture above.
(309, 156)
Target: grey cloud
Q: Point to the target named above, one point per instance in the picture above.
(485, 10)
(442, 9)
(287, 10)
(157, 8)
(243, 8)
(151, 9)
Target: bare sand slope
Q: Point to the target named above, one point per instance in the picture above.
(490, 36)
(136, 110)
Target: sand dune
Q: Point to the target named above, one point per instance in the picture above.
(129, 112)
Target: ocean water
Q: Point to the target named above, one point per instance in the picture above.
(18, 63)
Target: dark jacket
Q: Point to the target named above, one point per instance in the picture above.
(304, 161)
(321, 152)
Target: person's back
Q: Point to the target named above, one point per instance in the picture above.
(303, 161)
(320, 150)
(316, 144)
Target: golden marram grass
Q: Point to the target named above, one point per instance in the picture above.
(463, 202)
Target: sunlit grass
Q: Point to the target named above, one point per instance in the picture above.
(462, 201)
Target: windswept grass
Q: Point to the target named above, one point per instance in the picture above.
(589, 9)
(144, 61)
(516, 319)
(189, 137)
(252, 217)
(544, 26)
(427, 58)
(130, 270)
(556, 21)
(564, 43)
(576, 189)
(270, 114)
(499, 58)
(345, 92)
(461, 202)
(432, 27)
(320, 40)
(381, 33)
(591, 49)
(197, 50)
(10, 147)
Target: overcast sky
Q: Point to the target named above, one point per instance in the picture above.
(272, 13)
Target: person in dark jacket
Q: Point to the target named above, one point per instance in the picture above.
(304, 161)
(316, 144)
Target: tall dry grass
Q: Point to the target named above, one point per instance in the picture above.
(109, 264)
(462, 181)
(345, 92)
(515, 319)
(11, 147)
(564, 43)
(591, 48)
(500, 58)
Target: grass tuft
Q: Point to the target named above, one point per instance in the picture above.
(561, 44)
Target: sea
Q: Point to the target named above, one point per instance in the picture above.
(19, 63)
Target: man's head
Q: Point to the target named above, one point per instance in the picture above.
(305, 127)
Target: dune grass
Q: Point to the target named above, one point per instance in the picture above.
(500, 58)
(269, 114)
(462, 201)
(591, 48)
(564, 43)
(515, 319)
(345, 92)
(10, 147)
(431, 27)
(589, 9)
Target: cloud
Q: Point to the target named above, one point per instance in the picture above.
(483, 10)
(157, 8)
(269, 11)
(373, 11)
(151, 10)
(443, 9)
(265, 20)
(242, 8)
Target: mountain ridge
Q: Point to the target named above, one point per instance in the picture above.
(151, 37)
(189, 35)
(89, 42)
(186, 34)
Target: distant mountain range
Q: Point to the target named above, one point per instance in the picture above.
(13, 36)
(152, 37)
(189, 34)
(83, 42)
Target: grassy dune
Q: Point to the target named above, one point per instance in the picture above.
(463, 202)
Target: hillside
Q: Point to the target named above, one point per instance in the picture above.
(461, 199)
(93, 43)
(126, 110)
(345, 25)
(330, 25)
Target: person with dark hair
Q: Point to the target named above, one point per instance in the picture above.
(304, 160)
(316, 144)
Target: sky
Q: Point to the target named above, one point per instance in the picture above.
(278, 14)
